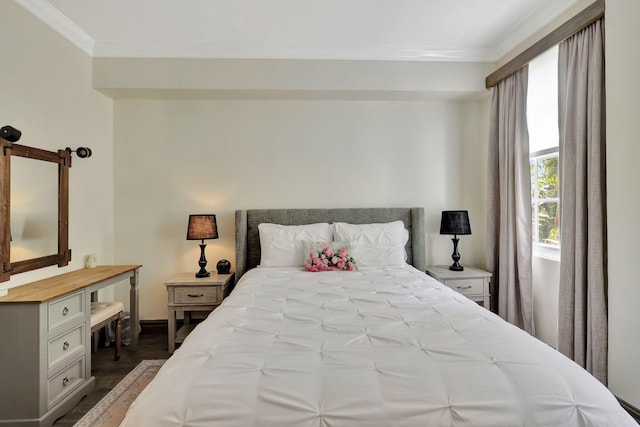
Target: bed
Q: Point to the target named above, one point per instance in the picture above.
(383, 345)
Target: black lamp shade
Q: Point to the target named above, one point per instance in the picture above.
(455, 222)
(202, 227)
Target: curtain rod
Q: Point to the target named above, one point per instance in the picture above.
(587, 17)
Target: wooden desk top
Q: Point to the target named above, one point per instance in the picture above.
(53, 287)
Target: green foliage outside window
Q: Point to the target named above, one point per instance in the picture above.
(544, 189)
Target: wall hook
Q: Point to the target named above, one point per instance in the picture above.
(10, 133)
(82, 152)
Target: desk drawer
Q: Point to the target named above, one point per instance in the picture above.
(65, 345)
(65, 309)
(197, 295)
(63, 383)
(466, 286)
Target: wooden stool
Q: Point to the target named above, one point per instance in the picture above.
(103, 313)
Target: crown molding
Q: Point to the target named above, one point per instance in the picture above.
(520, 31)
(58, 22)
(529, 24)
(44, 11)
(183, 49)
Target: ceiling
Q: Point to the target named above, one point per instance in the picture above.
(442, 30)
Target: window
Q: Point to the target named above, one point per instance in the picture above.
(544, 198)
(542, 119)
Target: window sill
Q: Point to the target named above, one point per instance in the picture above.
(546, 252)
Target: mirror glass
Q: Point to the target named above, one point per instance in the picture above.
(34, 208)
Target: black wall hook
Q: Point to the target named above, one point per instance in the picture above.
(82, 152)
(10, 133)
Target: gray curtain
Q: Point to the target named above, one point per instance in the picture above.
(582, 317)
(509, 204)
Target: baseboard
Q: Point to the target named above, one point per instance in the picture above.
(154, 327)
(632, 410)
(160, 327)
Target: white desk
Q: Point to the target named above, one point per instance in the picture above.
(45, 352)
(134, 299)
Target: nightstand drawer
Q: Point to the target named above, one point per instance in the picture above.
(466, 286)
(197, 295)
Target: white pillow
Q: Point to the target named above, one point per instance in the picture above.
(281, 245)
(375, 245)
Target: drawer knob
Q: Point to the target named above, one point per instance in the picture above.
(65, 346)
(65, 381)
(195, 295)
(464, 287)
(65, 311)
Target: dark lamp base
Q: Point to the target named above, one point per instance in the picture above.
(202, 263)
(201, 274)
(456, 267)
(455, 256)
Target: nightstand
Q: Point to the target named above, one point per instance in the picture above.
(471, 282)
(188, 294)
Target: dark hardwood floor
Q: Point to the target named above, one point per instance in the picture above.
(152, 345)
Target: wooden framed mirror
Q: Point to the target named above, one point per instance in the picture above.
(29, 214)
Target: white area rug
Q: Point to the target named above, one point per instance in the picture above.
(111, 409)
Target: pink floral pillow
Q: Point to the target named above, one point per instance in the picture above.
(328, 256)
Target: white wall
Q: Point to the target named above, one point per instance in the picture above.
(45, 83)
(174, 158)
(473, 185)
(546, 283)
(623, 197)
(287, 78)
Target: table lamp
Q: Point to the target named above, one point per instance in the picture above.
(455, 222)
(202, 227)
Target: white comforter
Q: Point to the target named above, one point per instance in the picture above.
(378, 347)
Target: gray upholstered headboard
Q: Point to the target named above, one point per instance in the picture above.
(248, 239)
